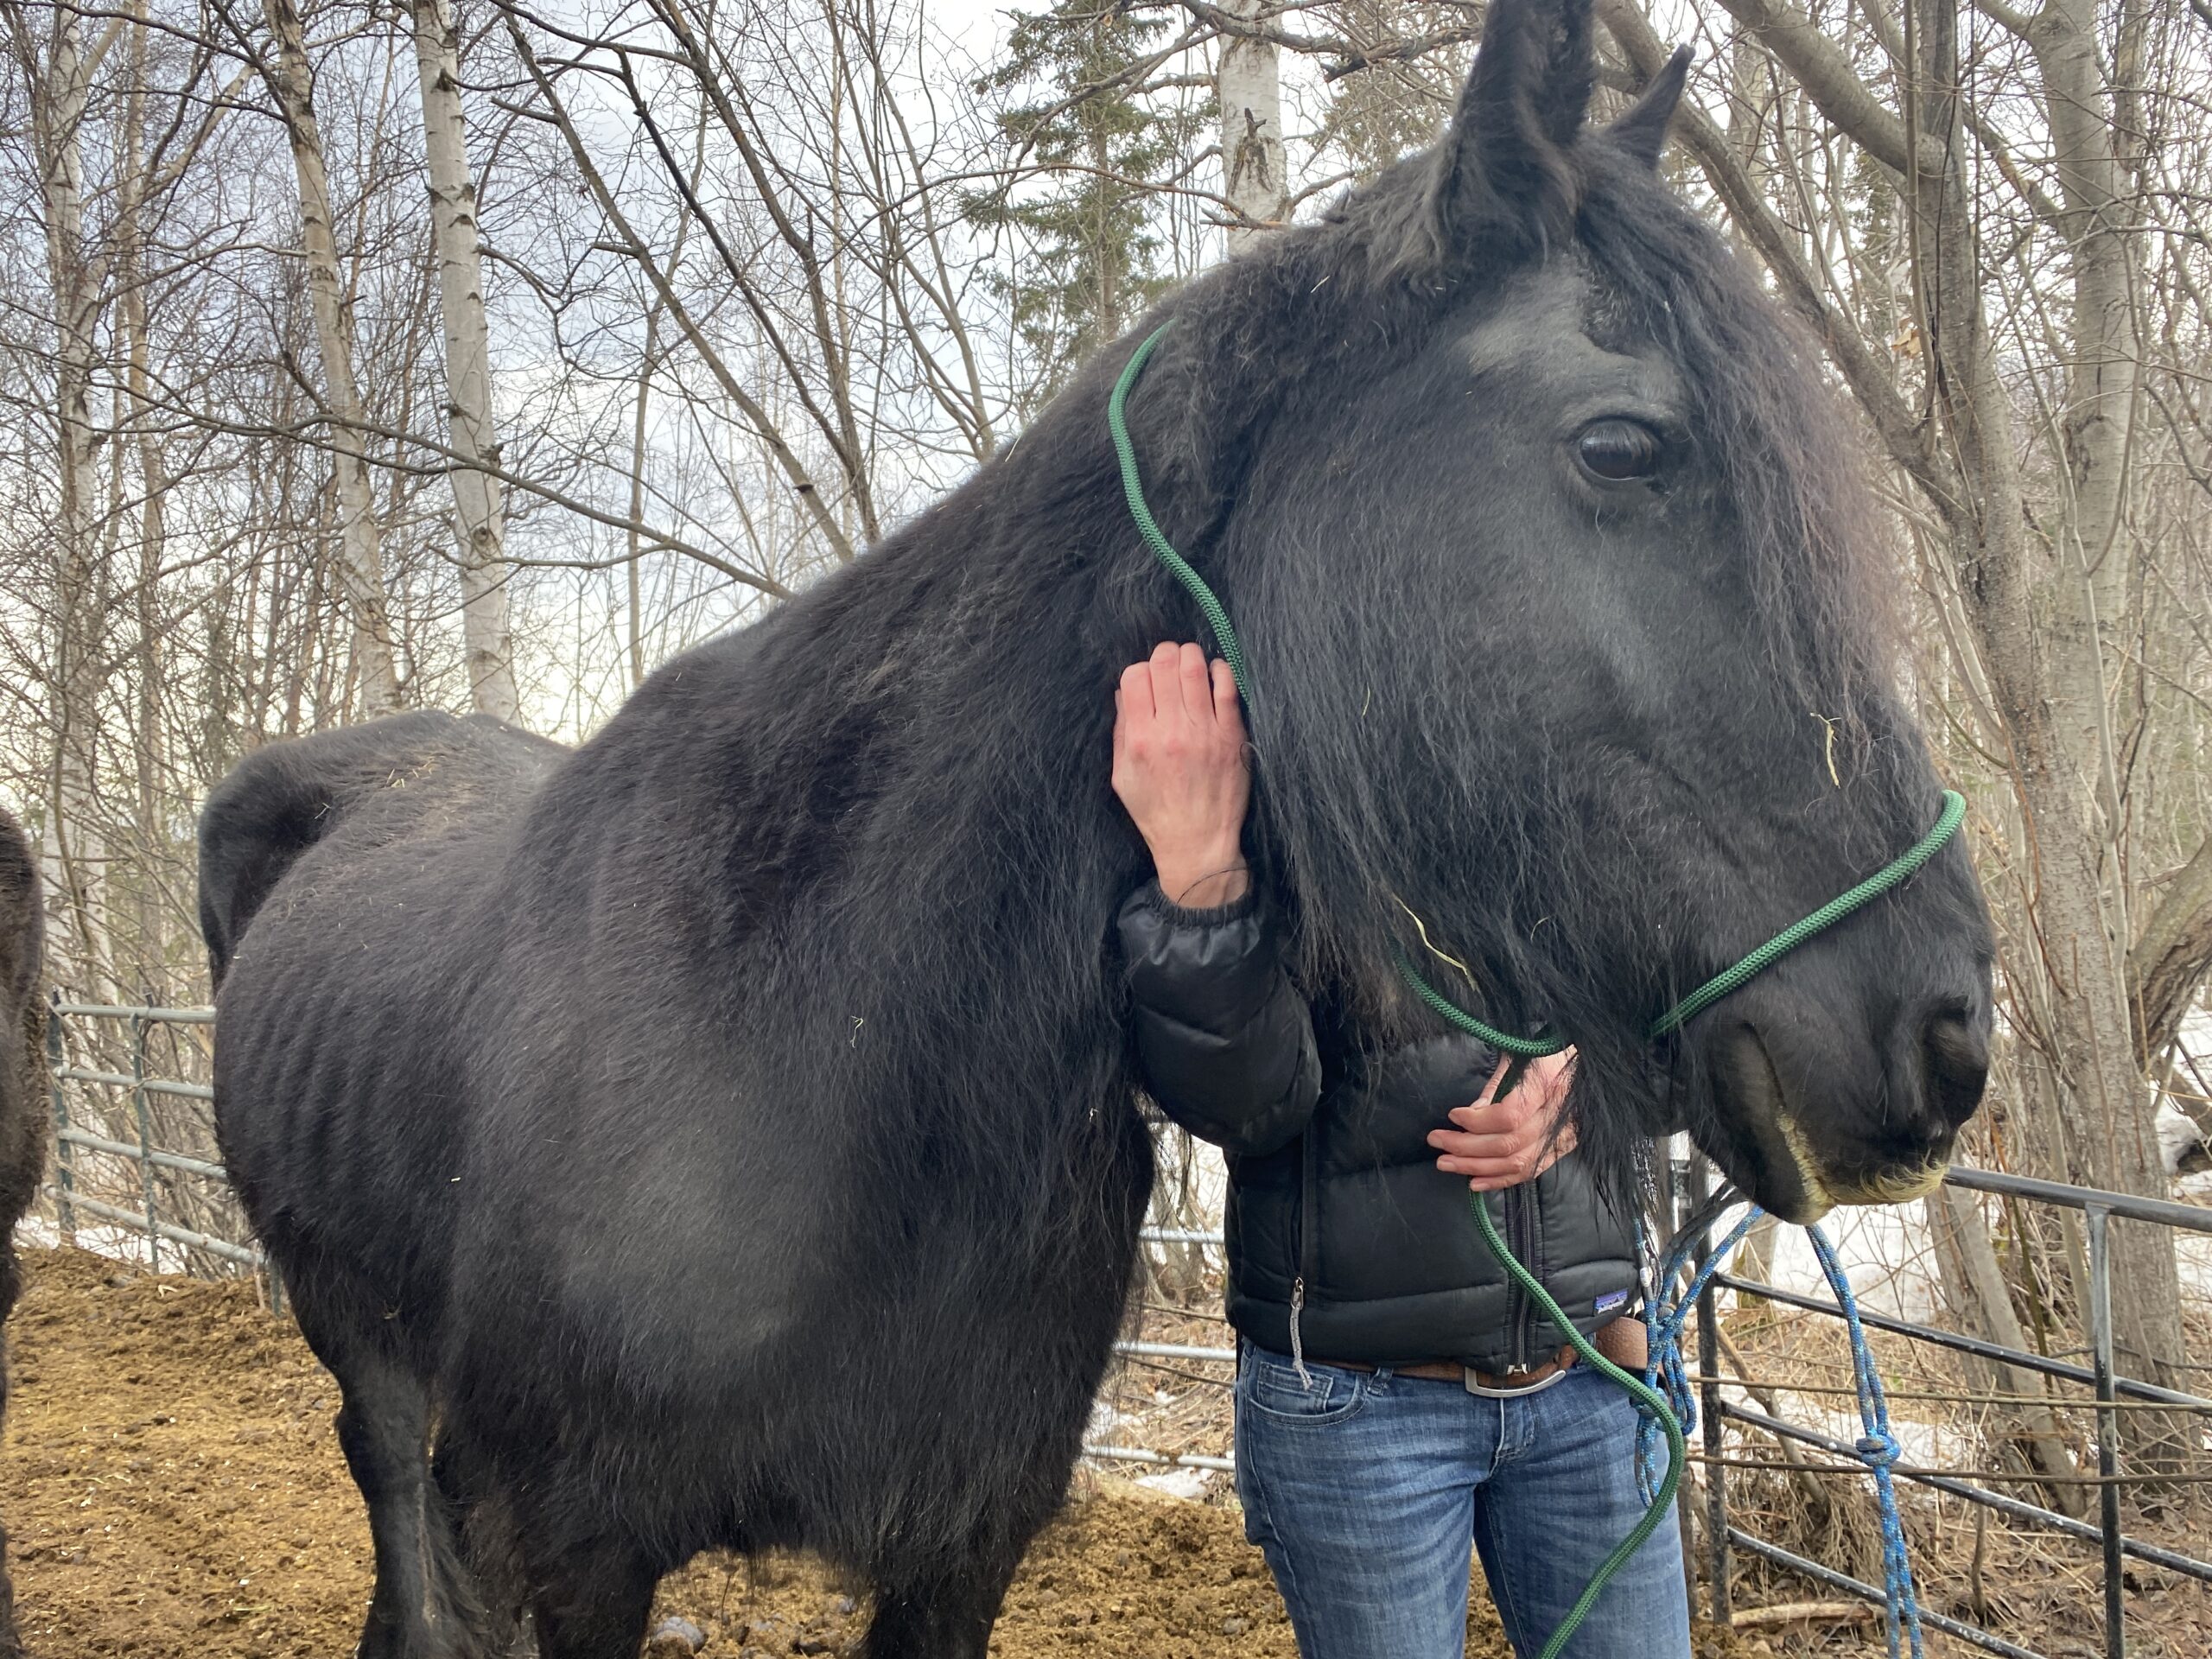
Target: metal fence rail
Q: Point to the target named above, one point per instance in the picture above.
(70, 1138)
(2098, 1209)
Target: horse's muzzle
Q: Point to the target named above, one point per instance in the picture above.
(1808, 1129)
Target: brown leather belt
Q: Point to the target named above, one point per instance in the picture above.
(1624, 1341)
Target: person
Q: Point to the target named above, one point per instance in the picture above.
(1397, 1399)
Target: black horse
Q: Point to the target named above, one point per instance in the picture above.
(725, 1135)
(22, 1108)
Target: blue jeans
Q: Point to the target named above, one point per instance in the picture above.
(1366, 1490)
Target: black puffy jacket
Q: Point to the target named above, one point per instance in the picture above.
(1337, 1214)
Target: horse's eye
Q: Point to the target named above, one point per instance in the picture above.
(1619, 451)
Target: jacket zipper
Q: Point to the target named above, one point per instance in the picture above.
(1518, 1231)
(1309, 1224)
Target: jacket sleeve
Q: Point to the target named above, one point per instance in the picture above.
(1225, 1040)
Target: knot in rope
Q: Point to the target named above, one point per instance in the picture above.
(1668, 1299)
(1879, 1451)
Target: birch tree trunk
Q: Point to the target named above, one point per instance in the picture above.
(479, 509)
(360, 546)
(633, 573)
(133, 185)
(2046, 670)
(1248, 88)
(75, 850)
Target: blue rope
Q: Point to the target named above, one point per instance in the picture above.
(1667, 1307)
(1878, 1449)
(1663, 1367)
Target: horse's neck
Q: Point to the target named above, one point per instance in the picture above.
(951, 691)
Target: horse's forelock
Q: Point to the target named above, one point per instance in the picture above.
(1787, 460)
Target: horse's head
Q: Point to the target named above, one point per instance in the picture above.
(1564, 603)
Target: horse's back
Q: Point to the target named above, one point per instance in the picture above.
(283, 800)
(344, 882)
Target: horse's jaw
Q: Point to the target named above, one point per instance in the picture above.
(1822, 1191)
(1817, 1199)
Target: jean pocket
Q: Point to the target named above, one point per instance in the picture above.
(1275, 1387)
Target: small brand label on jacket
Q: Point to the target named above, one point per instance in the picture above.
(1612, 1300)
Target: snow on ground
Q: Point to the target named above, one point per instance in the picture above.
(1886, 1254)
(117, 1243)
(2179, 1135)
(1191, 1484)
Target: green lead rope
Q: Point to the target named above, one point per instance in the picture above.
(1650, 1399)
(1525, 1048)
(1162, 549)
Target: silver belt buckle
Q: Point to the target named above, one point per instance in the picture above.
(1468, 1374)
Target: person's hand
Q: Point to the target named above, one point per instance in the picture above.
(1180, 769)
(1501, 1143)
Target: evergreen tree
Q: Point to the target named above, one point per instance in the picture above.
(1102, 151)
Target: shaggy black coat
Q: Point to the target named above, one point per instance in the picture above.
(728, 1134)
(23, 1102)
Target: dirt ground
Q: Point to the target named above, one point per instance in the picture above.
(173, 1490)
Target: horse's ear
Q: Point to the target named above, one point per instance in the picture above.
(1641, 130)
(1504, 167)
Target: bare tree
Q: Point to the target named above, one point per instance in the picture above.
(479, 508)
(57, 68)
(360, 539)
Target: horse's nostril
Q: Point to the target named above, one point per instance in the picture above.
(1956, 1050)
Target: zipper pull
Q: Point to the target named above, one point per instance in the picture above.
(1297, 1341)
